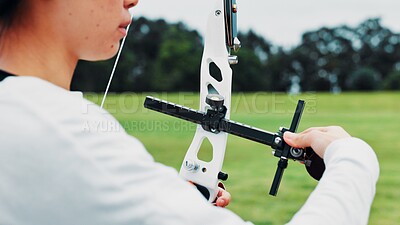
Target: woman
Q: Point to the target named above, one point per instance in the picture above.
(56, 168)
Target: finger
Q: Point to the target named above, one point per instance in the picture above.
(223, 198)
(293, 139)
(311, 129)
(339, 131)
(302, 140)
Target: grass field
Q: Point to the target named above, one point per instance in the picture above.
(374, 117)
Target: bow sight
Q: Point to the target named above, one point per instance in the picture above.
(213, 116)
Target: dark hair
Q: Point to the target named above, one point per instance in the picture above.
(8, 9)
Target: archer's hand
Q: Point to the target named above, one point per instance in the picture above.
(318, 138)
(223, 197)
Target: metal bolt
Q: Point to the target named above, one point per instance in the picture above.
(218, 12)
(233, 60)
(236, 44)
(296, 152)
(278, 140)
(234, 8)
(191, 165)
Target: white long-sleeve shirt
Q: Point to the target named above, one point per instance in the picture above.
(63, 160)
(345, 192)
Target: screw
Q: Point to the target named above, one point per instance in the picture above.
(218, 12)
(278, 140)
(236, 44)
(296, 152)
(233, 60)
(191, 166)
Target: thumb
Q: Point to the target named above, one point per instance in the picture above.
(290, 138)
(295, 140)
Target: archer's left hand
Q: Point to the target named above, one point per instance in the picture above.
(223, 196)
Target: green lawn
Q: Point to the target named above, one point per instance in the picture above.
(374, 117)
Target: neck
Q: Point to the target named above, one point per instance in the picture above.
(36, 51)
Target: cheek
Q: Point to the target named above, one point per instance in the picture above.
(100, 42)
(103, 25)
(96, 35)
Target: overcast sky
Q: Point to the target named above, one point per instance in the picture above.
(280, 21)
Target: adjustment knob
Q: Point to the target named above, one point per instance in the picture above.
(222, 176)
(216, 101)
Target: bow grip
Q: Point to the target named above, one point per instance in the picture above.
(315, 165)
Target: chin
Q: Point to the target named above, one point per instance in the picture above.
(106, 54)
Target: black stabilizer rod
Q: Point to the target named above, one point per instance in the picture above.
(283, 161)
(201, 118)
(282, 165)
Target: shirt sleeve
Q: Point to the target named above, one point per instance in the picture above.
(122, 184)
(346, 191)
(142, 191)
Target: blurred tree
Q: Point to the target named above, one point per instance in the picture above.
(364, 79)
(177, 65)
(392, 81)
(91, 76)
(378, 47)
(250, 74)
(280, 70)
(141, 52)
(325, 56)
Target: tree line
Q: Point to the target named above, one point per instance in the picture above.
(160, 56)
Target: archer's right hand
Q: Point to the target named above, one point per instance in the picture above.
(318, 138)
